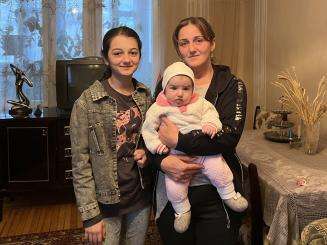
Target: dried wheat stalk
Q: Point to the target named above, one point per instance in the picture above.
(296, 98)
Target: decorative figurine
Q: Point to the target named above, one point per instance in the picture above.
(38, 111)
(20, 108)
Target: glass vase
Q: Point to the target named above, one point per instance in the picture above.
(311, 138)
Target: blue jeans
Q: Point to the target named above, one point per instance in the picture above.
(129, 229)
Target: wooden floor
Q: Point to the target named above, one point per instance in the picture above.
(25, 218)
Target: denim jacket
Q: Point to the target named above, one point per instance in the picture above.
(93, 144)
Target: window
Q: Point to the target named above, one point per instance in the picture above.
(33, 41)
(21, 45)
(69, 26)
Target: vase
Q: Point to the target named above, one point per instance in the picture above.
(311, 138)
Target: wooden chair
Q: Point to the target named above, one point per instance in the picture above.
(256, 113)
(315, 233)
(251, 231)
(256, 214)
(255, 210)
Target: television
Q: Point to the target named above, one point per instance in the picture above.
(75, 75)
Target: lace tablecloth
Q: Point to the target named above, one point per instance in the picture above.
(294, 185)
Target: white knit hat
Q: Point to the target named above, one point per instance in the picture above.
(177, 68)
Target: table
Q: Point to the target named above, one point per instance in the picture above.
(293, 184)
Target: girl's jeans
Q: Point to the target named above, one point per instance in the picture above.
(129, 229)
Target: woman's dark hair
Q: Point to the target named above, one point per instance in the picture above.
(201, 23)
(121, 30)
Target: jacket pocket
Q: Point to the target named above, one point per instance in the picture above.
(109, 196)
(96, 134)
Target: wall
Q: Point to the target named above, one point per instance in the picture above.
(297, 36)
(258, 39)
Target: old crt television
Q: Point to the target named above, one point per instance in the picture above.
(75, 75)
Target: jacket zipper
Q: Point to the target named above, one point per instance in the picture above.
(154, 199)
(136, 147)
(218, 93)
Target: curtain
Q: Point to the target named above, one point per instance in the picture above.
(21, 45)
(35, 33)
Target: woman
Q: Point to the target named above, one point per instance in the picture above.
(111, 192)
(212, 222)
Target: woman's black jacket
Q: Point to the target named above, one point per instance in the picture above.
(228, 95)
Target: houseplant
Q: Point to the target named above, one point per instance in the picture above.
(310, 112)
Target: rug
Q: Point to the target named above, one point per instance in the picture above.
(69, 237)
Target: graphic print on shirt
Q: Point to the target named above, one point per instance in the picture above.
(128, 124)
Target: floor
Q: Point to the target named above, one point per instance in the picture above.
(35, 215)
(21, 216)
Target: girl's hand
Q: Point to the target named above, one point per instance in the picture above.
(140, 157)
(162, 149)
(180, 168)
(168, 132)
(209, 130)
(95, 234)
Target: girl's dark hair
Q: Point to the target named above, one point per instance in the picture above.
(201, 23)
(121, 30)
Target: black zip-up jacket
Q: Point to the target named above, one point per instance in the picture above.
(228, 95)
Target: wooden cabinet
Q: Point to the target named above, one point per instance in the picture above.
(35, 153)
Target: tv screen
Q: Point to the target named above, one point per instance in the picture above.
(79, 77)
(74, 76)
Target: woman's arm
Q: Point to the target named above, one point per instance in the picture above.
(232, 110)
(180, 168)
(232, 114)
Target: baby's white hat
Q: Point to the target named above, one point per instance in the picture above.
(177, 68)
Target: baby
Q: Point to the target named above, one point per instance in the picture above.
(189, 112)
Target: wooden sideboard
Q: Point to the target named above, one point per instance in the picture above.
(35, 153)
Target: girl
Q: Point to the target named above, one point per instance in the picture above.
(112, 192)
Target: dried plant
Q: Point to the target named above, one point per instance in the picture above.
(296, 98)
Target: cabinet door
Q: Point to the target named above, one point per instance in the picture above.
(28, 154)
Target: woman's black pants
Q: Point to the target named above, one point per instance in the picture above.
(209, 222)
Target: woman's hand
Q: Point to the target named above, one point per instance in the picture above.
(168, 132)
(96, 234)
(140, 157)
(180, 168)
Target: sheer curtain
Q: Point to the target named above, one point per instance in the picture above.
(21, 45)
(34, 33)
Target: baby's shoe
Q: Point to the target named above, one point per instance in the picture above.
(237, 203)
(182, 221)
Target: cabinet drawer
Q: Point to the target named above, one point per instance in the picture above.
(64, 173)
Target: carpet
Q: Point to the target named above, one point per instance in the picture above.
(69, 237)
